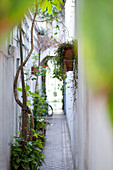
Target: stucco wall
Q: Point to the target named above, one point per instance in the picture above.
(92, 134)
(9, 111)
(69, 102)
(7, 108)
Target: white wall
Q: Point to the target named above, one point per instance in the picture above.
(71, 110)
(7, 108)
(9, 111)
(90, 130)
(70, 19)
(69, 101)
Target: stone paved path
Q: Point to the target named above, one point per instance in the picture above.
(57, 147)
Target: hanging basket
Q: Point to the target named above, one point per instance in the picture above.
(69, 53)
(68, 58)
(68, 65)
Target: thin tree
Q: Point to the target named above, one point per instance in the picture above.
(25, 109)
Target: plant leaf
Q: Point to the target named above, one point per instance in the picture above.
(60, 2)
(49, 7)
(44, 6)
(32, 130)
(19, 89)
(27, 94)
(27, 88)
(34, 94)
(41, 3)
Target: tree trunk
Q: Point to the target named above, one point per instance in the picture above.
(24, 109)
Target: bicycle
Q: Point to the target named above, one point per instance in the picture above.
(49, 110)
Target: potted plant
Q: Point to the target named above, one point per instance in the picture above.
(66, 55)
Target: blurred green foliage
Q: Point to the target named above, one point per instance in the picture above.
(11, 11)
(98, 41)
(98, 46)
(110, 105)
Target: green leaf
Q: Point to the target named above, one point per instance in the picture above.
(41, 3)
(44, 6)
(23, 166)
(43, 161)
(32, 130)
(18, 160)
(57, 26)
(43, 155)
(61, 2)
(34, 94)
(55, 40)
(19, 149)
(36, 135)
(55, 33)
(27, 88)
(27, 94)
(19, 89)
(15, 137)
(29, 103)
(55, 2)
(37, 149)
(49, 7)
(17, 132)
(58, 7)
(25, 128)
(16, 166)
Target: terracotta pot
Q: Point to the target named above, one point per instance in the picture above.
(68, 52)
(68, 65)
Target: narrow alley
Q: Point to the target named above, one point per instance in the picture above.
(56, 85)
(57, 147)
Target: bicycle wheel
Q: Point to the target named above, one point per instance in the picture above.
(50, 110)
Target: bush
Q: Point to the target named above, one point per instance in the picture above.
(26, 155)
(40, 105)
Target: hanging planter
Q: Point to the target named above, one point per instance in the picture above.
(66, 56)
(68, 65)
(68, 52)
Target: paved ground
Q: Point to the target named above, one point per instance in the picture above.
(57, 147)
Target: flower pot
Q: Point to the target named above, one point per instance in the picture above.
(68, 54)
(68, 58)
(68, 65)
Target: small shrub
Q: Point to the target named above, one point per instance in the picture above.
(40, 105)
(26, 155)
